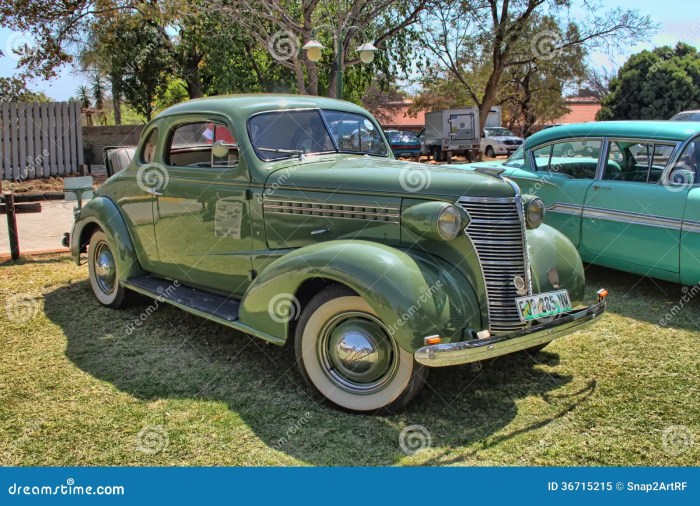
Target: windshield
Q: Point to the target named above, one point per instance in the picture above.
(285, 134)
(498, 132)
(402, 137)
(517, 159)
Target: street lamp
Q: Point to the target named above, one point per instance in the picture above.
(313, 50)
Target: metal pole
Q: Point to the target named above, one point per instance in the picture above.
(339, 78)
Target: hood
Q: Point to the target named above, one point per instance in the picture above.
(508, 170)
(375, 175)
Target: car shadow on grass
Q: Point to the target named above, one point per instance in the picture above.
(669, 305)
(163, 353)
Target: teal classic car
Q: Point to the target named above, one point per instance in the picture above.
(288, 218)
(624, 192)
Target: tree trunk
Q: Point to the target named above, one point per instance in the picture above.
(489, 95)
(192, 75)
(116, 99)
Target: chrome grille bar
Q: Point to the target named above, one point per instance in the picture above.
(496, 229)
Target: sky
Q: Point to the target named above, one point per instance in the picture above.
(679, 20)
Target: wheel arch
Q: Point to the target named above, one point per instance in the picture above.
(100, 213)
(414, 296)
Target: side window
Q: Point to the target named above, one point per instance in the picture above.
(641, 162)
(575, 159)
(190, 145)
(685, 170)
(148, 152)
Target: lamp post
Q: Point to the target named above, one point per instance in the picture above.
(313, 50)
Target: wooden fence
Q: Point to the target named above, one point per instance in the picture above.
(40, 140)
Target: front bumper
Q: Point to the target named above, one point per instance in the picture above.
(465, 352)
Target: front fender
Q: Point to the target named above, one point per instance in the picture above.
(550, 249)
(415, 295)
(103, 213)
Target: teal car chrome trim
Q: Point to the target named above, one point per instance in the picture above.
(632, 218)
(346, 211)
(564, 208)
(465, 352)
(691, 226)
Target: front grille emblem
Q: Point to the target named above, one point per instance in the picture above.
(519, 284)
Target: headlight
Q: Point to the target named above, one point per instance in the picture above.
(534, 213)
(449, 223)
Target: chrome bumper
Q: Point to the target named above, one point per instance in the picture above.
(465, 352)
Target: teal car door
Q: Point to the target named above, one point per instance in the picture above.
(201, 213)
(630, 220)
(564, 174)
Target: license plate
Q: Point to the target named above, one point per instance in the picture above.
(542, 305)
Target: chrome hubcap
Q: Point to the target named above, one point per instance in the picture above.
(105, 269)
(357, 353)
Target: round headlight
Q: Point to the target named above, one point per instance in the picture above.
(534, 213)
(448, 223)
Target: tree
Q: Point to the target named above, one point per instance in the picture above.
(477, 42)
(283, 26)
(13, 89)
(654, 85)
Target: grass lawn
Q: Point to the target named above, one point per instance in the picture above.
(78, 388)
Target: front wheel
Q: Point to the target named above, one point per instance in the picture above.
(346, 354)
(104, 273)
(489, 152)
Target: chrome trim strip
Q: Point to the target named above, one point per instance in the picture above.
(633, 218)
(565, 208)
(465, 352)
(691, 226)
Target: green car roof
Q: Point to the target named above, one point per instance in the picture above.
(666, 130)
(247, 104)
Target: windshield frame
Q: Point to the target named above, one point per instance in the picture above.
(521, 151)
(329, 132)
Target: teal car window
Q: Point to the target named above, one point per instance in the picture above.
(575, 159)
(641, 162)
(190, 144)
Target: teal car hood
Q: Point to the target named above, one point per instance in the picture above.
(384, 176)
(493, 164)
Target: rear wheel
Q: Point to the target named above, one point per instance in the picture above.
(347, 355)
(448, 156)
(104, 272)
(489, 152)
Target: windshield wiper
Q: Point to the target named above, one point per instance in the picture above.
(291, 152)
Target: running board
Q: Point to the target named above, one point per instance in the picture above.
(209, 305)
(217, 308)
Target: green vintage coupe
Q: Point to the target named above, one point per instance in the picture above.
(287, 218)
(626, 193)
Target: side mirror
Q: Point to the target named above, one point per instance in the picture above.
(220, 149)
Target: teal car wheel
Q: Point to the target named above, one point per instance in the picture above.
(347, 354)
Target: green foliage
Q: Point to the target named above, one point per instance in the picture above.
(655, 85)
(13, 89)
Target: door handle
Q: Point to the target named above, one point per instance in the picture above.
(155, 192)
(599, 187)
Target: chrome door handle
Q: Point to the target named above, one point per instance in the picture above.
(320, 231)
(155, 192)
(598, 187)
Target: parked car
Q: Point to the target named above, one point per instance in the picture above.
(687, 116)
(404, 144)
(499, 141)
(624, 192)
(287, 217)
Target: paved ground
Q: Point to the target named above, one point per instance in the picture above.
(40, 231)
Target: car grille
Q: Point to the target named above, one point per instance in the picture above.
(497, 232)
(513, 142)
